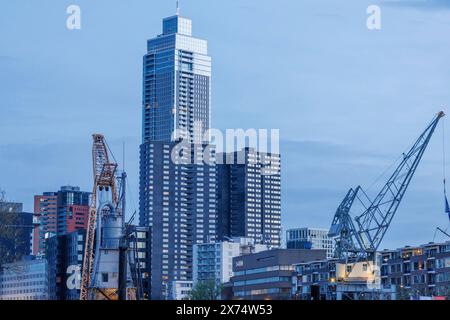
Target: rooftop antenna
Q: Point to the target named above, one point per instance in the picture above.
(178, 7)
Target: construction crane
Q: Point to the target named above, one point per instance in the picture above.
(104, 181)
(109, 266)
(359, 237)
(441, 231)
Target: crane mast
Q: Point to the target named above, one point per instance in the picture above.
(362, 235)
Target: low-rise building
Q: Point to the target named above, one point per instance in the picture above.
(24, 280)
(418, 271)
(405, 273)
(214, 261)
(179, 290)
(268, 274)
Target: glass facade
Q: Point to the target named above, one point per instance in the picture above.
(24, 280)
(176, 84)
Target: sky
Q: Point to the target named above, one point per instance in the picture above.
(347, 100)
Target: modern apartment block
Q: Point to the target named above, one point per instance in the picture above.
(16, 229)
(178, 203)
(405, 273)
(310, 238)
(176, 84)
(419, 271)
(59, 213)
(65, 254)
(24, 280)
(249, 196)
(214, 261)
(268, 274)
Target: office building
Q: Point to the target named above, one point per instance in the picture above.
(310, 238)
(249, 196)
(24, 280)
(15, 232)
(268, 275)
(65, 254)
(177, 201)
(59, 213)
(176, 84)
(214, 261)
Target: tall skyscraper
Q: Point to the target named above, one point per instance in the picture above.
(59, 213)
(249, 196)
(176, 84)
(177, 200)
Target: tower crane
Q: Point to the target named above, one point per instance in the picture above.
(359, 237)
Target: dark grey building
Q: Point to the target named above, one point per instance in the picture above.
(178, 203)
(269, 274)
(249, 196)
(139, 258)
(16, 228)
(65, 254)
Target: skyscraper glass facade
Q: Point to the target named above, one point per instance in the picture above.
(176, 84)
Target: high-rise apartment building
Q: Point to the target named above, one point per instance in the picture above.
(249, 196)
(310, 238)
(59, 213)
(178, 203)
(176, 84)
(177, 199)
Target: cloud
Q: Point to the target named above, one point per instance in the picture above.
(420, 4)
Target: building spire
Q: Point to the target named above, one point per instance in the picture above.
(178, 7)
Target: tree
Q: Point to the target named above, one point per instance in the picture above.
(12, 238)
(206, 290)
(2, 196)
(403, 293)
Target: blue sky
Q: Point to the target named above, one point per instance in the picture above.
(348, 100)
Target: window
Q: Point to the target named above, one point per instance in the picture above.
(104, 277)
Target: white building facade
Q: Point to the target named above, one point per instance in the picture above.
(310, 238)
(214, 261)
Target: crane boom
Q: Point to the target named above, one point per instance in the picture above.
(362, 235)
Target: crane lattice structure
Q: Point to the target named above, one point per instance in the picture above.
(361, 236)
(104, 178)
